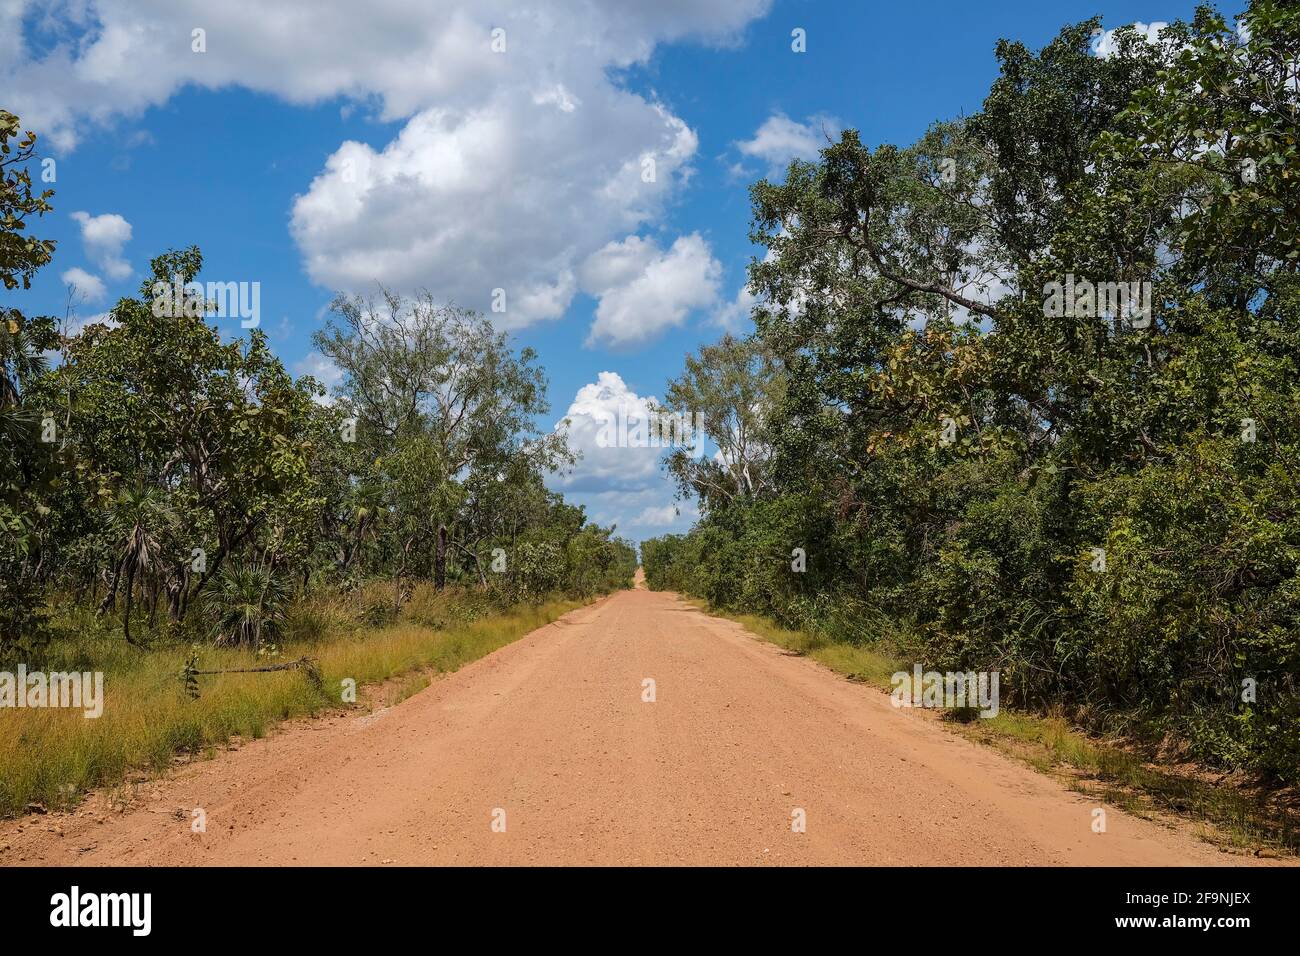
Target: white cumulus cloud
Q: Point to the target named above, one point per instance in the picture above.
(104, 237)
(617, 481)
(508, 197)
(643, 290)
(320, 368)
(662, 516)
(733, 315)
(324, 371)
(87, 286)
(515, 162)
(780, 139)
(593, 418)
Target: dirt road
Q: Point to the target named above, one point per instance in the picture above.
(551, 736)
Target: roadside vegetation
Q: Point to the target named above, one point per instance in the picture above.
(1250, 818)
(936, 448)
(173, 502)
(50, 757)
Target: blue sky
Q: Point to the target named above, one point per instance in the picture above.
(389, 142)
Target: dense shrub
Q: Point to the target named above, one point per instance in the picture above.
(1104, 507)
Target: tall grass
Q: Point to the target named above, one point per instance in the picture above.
(51, 756)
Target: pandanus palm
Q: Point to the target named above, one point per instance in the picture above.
(244, 599)
(143, 519)
(20, 362)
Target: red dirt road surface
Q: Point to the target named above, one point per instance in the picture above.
(551, 736)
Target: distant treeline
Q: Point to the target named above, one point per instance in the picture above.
(1026, 394)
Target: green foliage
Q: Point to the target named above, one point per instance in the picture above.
(956, 458)
(190, 675)
(20, 254)
(29, 463)
(247, 602)
(727, 390)
(179, 480)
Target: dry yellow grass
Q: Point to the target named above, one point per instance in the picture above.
(51, 756)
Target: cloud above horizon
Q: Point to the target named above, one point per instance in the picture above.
(780, 139)
(104, 237)
(618, 485)
(644, 290)
(519, 157)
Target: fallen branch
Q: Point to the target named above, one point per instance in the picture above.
(307, 665)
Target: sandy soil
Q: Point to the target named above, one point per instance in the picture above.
(551, 734)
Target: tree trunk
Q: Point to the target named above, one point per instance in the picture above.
(126, 604)
(110, 599)
(440, 559)
(401, 573)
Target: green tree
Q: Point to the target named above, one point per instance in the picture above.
(442, 403)
(730, 390)
(30, 463)
(218, 429)
(1100, 499)
(20, 254)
